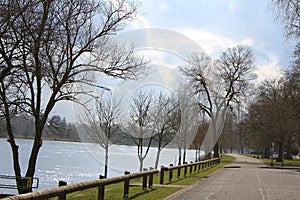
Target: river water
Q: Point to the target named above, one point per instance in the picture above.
(75, 161)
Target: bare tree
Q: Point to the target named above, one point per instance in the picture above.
(164, 117)
(186, 121)
(10, 62)
(141, 125)
(274, 115)
(258, 128)
(103, 123)
(201, 76)
(219, 84)
(287, 12)
(56, 45)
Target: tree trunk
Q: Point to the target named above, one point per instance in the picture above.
(140, 153)
(241, 144)
(141, 164)
(157, 158)
(184, 156)
(14, 147)
(216, 150)
(199, 154)
(288, 149)
(32, 162)
(15, 151)
(157, 155)
(280, 152)
(16, 164)
(179, 156)
(37, 144)
(106, 161)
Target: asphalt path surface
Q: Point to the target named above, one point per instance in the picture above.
(245, 179)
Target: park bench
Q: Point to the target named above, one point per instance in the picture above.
(9, 182)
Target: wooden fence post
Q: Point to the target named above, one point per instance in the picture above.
(191, 167)
(126, 185)
(144, 185)
(162, 175)
(185, 168)
(101, 189)
(178, 172)
(62, 196)
(150, 178)
(170, 173)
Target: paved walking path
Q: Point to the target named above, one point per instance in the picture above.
(242, 180)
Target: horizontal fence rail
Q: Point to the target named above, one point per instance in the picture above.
(193, 167)
(63, 190)
(147, 176)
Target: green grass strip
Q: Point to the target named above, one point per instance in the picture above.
(293, 162)
(115, 191)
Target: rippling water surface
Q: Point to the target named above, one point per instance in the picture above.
(75, 162)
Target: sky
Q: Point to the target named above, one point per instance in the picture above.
(214, 25)
(219, 24)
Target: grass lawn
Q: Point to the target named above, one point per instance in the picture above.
(115, 191)
(294, 162)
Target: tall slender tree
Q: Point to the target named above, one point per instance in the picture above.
(185, 121)
(164, 116)
(141, 126)
(103, 123)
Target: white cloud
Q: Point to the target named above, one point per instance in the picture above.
(213, 43)
(267, 62)
(161, 57)
(270, 71)
(267, 71)
(163, 6)
(139, 22)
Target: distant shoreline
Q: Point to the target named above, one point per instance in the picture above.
(73, 140)
(50, 139)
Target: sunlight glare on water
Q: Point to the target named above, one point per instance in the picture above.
(73, 163)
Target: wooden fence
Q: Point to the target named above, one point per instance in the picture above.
(147, 178)
(193, 167)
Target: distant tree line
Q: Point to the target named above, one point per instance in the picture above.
(57, 128)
